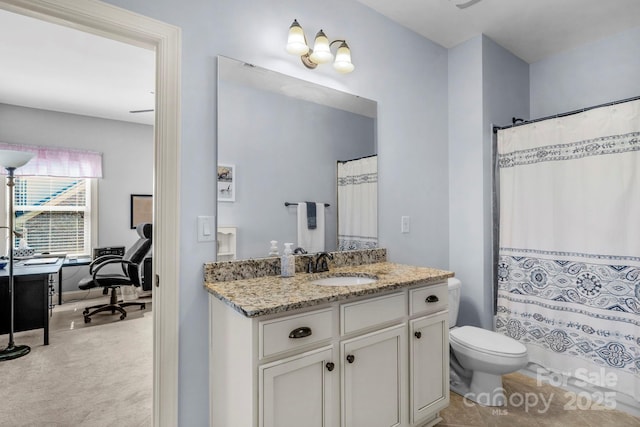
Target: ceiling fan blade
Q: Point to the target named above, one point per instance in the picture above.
(467, 4)
(141, 111)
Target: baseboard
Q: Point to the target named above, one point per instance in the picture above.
(69, 296)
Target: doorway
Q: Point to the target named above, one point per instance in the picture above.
(119, 24)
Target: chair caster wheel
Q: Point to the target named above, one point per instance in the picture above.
(87, 319)
(143, 306)
(123, 316)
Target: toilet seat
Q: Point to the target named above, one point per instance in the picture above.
(488, 342)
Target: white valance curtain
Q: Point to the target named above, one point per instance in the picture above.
(569, 255)
(358, 204)
(58, 161)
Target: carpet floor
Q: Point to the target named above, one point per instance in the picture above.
(95, 374)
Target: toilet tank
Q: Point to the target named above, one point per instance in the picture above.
(454, 300)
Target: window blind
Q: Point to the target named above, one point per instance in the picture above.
(53, 213)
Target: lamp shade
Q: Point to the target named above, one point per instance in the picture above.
(14, 159)
(321, 51)
(343, 64)
(296, 43)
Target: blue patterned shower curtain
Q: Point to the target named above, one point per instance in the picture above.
(569, 247)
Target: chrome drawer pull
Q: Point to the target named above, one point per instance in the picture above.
(302, 332)
(431, 298)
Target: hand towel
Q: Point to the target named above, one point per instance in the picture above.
(311, 215)
(312, 240)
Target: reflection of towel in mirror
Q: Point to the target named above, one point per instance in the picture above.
(311, 215)
(312, 240)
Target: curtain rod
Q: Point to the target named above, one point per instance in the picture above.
(519, 122)
(326, 205)
(359, 158)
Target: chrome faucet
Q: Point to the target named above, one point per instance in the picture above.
(321, 262)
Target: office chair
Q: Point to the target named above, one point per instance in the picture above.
(130, 262)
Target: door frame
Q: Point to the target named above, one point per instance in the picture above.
(120, 24)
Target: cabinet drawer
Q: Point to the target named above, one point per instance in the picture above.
(428, 299)
(291, 332)
(371, 312)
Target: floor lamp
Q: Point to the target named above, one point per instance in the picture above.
(11, 160)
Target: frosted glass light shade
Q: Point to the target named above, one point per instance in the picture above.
(296, 43)
(321, 52)
(343, 64)
(14, 159)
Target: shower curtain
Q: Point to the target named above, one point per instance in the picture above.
(569, 246)
(358, 204)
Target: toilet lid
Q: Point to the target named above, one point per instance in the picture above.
(486, 341)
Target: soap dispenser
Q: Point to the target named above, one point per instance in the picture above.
(288, 262)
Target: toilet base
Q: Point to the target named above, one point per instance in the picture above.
(484, 389)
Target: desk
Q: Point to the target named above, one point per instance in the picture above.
(31, 299)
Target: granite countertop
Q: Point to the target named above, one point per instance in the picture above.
(274, 294)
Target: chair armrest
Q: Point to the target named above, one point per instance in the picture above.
(98, 261)
(114, 260)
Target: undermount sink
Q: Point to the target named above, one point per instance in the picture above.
(343, 281)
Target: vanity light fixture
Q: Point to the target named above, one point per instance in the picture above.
(321, 52)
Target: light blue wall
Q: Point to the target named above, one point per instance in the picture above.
(487, 84)
(466, 234)
(404, 72)
(594, 73)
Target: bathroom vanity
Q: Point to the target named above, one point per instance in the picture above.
(291, 352)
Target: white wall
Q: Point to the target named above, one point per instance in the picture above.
(127, 158)
(404, 72)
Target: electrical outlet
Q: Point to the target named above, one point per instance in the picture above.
(405, 222)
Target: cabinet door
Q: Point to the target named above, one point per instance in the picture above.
(373, 379)
(429, 365)
(299, 391)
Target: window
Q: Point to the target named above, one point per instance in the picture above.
(54, 214)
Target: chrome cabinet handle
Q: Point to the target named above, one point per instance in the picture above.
(330, 366)
(431, 298)
(301, 332)
(351, 358)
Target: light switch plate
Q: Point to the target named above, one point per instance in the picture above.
(206, 228)
(405, 221)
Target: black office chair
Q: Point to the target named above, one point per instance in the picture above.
(131, 263)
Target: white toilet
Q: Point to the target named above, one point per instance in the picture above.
(480, 357)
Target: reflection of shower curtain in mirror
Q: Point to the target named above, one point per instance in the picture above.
(358, 204)
(569, 268)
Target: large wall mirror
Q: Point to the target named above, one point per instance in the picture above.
(280, 139)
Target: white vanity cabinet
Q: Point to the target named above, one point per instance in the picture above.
(373, 385)
(298, 391)
(353, 363)
(429, 382)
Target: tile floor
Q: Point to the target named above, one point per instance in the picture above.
(547, 406)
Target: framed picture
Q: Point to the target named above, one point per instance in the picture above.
(141, 209)
(226, 183)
